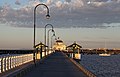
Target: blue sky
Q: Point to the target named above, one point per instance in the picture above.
(89, 22)
(14, 3)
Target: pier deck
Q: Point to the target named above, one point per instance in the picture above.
(56, 65)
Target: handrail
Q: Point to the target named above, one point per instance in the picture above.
(8, 62)
(24, 69)
(11, 61)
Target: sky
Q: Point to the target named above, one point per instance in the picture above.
(91, 23)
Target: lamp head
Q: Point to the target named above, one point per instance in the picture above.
(54, 34)
(52, 30)
(47, 16)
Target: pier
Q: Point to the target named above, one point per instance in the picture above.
(56, 64)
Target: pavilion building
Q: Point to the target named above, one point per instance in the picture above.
(59, 45)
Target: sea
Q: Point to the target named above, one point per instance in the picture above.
(102, 66)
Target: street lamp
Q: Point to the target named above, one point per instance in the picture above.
(52, 38)
(45, 34)
(48, 37)
(47, 16)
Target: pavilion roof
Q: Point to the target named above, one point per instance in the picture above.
(40, 44)
(74, 45)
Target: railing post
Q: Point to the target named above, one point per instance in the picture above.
(7, 61)
(18, 60)
(14, 61)
(5, 64)
(2, 65)
(10, 62)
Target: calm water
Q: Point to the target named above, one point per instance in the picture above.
(102, 66)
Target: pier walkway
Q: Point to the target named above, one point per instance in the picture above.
(56, 65)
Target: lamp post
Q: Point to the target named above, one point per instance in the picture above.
(47, 16)
(52, 38)
(45, 34)
(74, 51)
(48, 37)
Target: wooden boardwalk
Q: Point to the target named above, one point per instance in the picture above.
(56, 65)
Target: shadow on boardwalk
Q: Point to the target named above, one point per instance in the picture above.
(56, 65)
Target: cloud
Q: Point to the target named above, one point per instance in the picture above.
(17, 2)
(58, 4)
(68, 0)
(48, 1)
(70, 13)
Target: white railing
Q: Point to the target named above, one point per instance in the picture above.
(8, 62)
